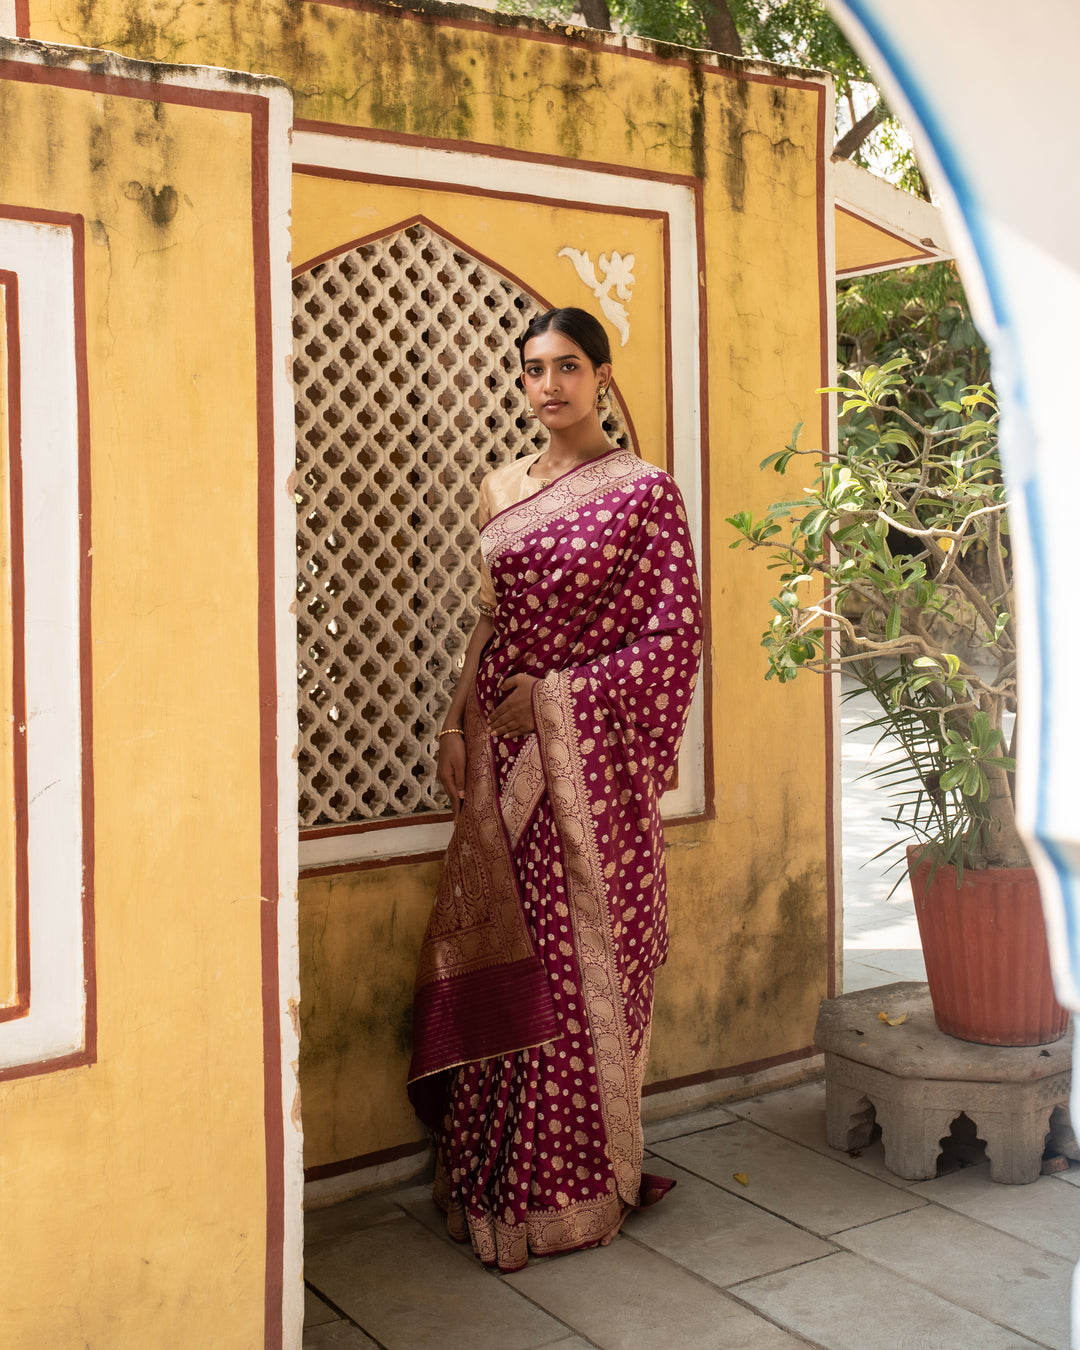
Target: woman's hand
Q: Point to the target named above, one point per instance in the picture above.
(450, 771)
(514, 715)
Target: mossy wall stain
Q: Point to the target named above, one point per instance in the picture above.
(360, 934)
(746, 971)
(416, 72)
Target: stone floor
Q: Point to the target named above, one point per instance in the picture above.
(817, 1248)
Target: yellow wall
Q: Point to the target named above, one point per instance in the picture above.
(329, 213)
(133, 1202)
(748, 888)
(863, 247)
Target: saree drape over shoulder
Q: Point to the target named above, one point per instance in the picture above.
(534, 993)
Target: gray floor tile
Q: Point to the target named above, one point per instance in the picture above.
(412, 1292)
(334, 1221)
(1046, 1214)
(857, 976)
(424, 1210)
(692, 1123)
(798, 1114)
(721, 1237)
(845, 1302)
(625, 1297)
(1071, 1177)
(795, 1182)
(337, 1336)
(899, 962)
(316, 1312)
(987, 1272)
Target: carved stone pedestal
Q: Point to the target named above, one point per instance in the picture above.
(916, 1080)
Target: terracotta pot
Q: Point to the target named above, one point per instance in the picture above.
(987, 962)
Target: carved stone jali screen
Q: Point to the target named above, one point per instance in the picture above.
(404, 370)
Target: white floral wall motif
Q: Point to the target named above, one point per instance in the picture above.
(618, 274)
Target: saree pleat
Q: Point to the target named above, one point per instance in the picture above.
(534, 994)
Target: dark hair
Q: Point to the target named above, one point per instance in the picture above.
(576, 324)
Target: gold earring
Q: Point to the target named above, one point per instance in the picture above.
(601, 396)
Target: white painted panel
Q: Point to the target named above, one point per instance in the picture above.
(42, 257)
(552, 182)
(279, 194)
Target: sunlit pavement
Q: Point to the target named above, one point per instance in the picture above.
(881, 935)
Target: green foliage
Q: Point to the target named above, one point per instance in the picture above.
(678, 21)
(918, 315)
(798, 33)
(895, 564)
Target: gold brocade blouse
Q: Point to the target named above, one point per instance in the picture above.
(499, 489)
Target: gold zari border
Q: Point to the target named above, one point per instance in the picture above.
(592, 481)
(619, 1070)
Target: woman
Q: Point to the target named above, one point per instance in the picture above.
(534, 994)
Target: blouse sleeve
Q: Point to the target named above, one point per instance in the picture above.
(486, 602)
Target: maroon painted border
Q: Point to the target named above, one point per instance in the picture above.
(678, 180)
(256, 107)
(492, 150)
(370, 864)
(349, 175)
(920, 255)
(705, 476)
(270, 879)
(323, 1171)
(735, 1071)
(886, 264)
(10, 283)
(88, 1053)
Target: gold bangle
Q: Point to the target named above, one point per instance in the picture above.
(450, 731)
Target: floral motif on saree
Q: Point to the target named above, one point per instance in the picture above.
(534, 994)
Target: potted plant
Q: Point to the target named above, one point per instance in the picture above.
(895, 566)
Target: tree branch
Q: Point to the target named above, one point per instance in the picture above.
(851, 140)
(596, 14)
(720, 31)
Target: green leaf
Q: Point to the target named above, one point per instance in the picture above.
(898, 436)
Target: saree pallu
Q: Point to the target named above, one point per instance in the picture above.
(533, 1000)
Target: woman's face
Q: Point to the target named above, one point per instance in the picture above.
(560, 381)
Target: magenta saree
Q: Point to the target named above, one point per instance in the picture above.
(533, 1000)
